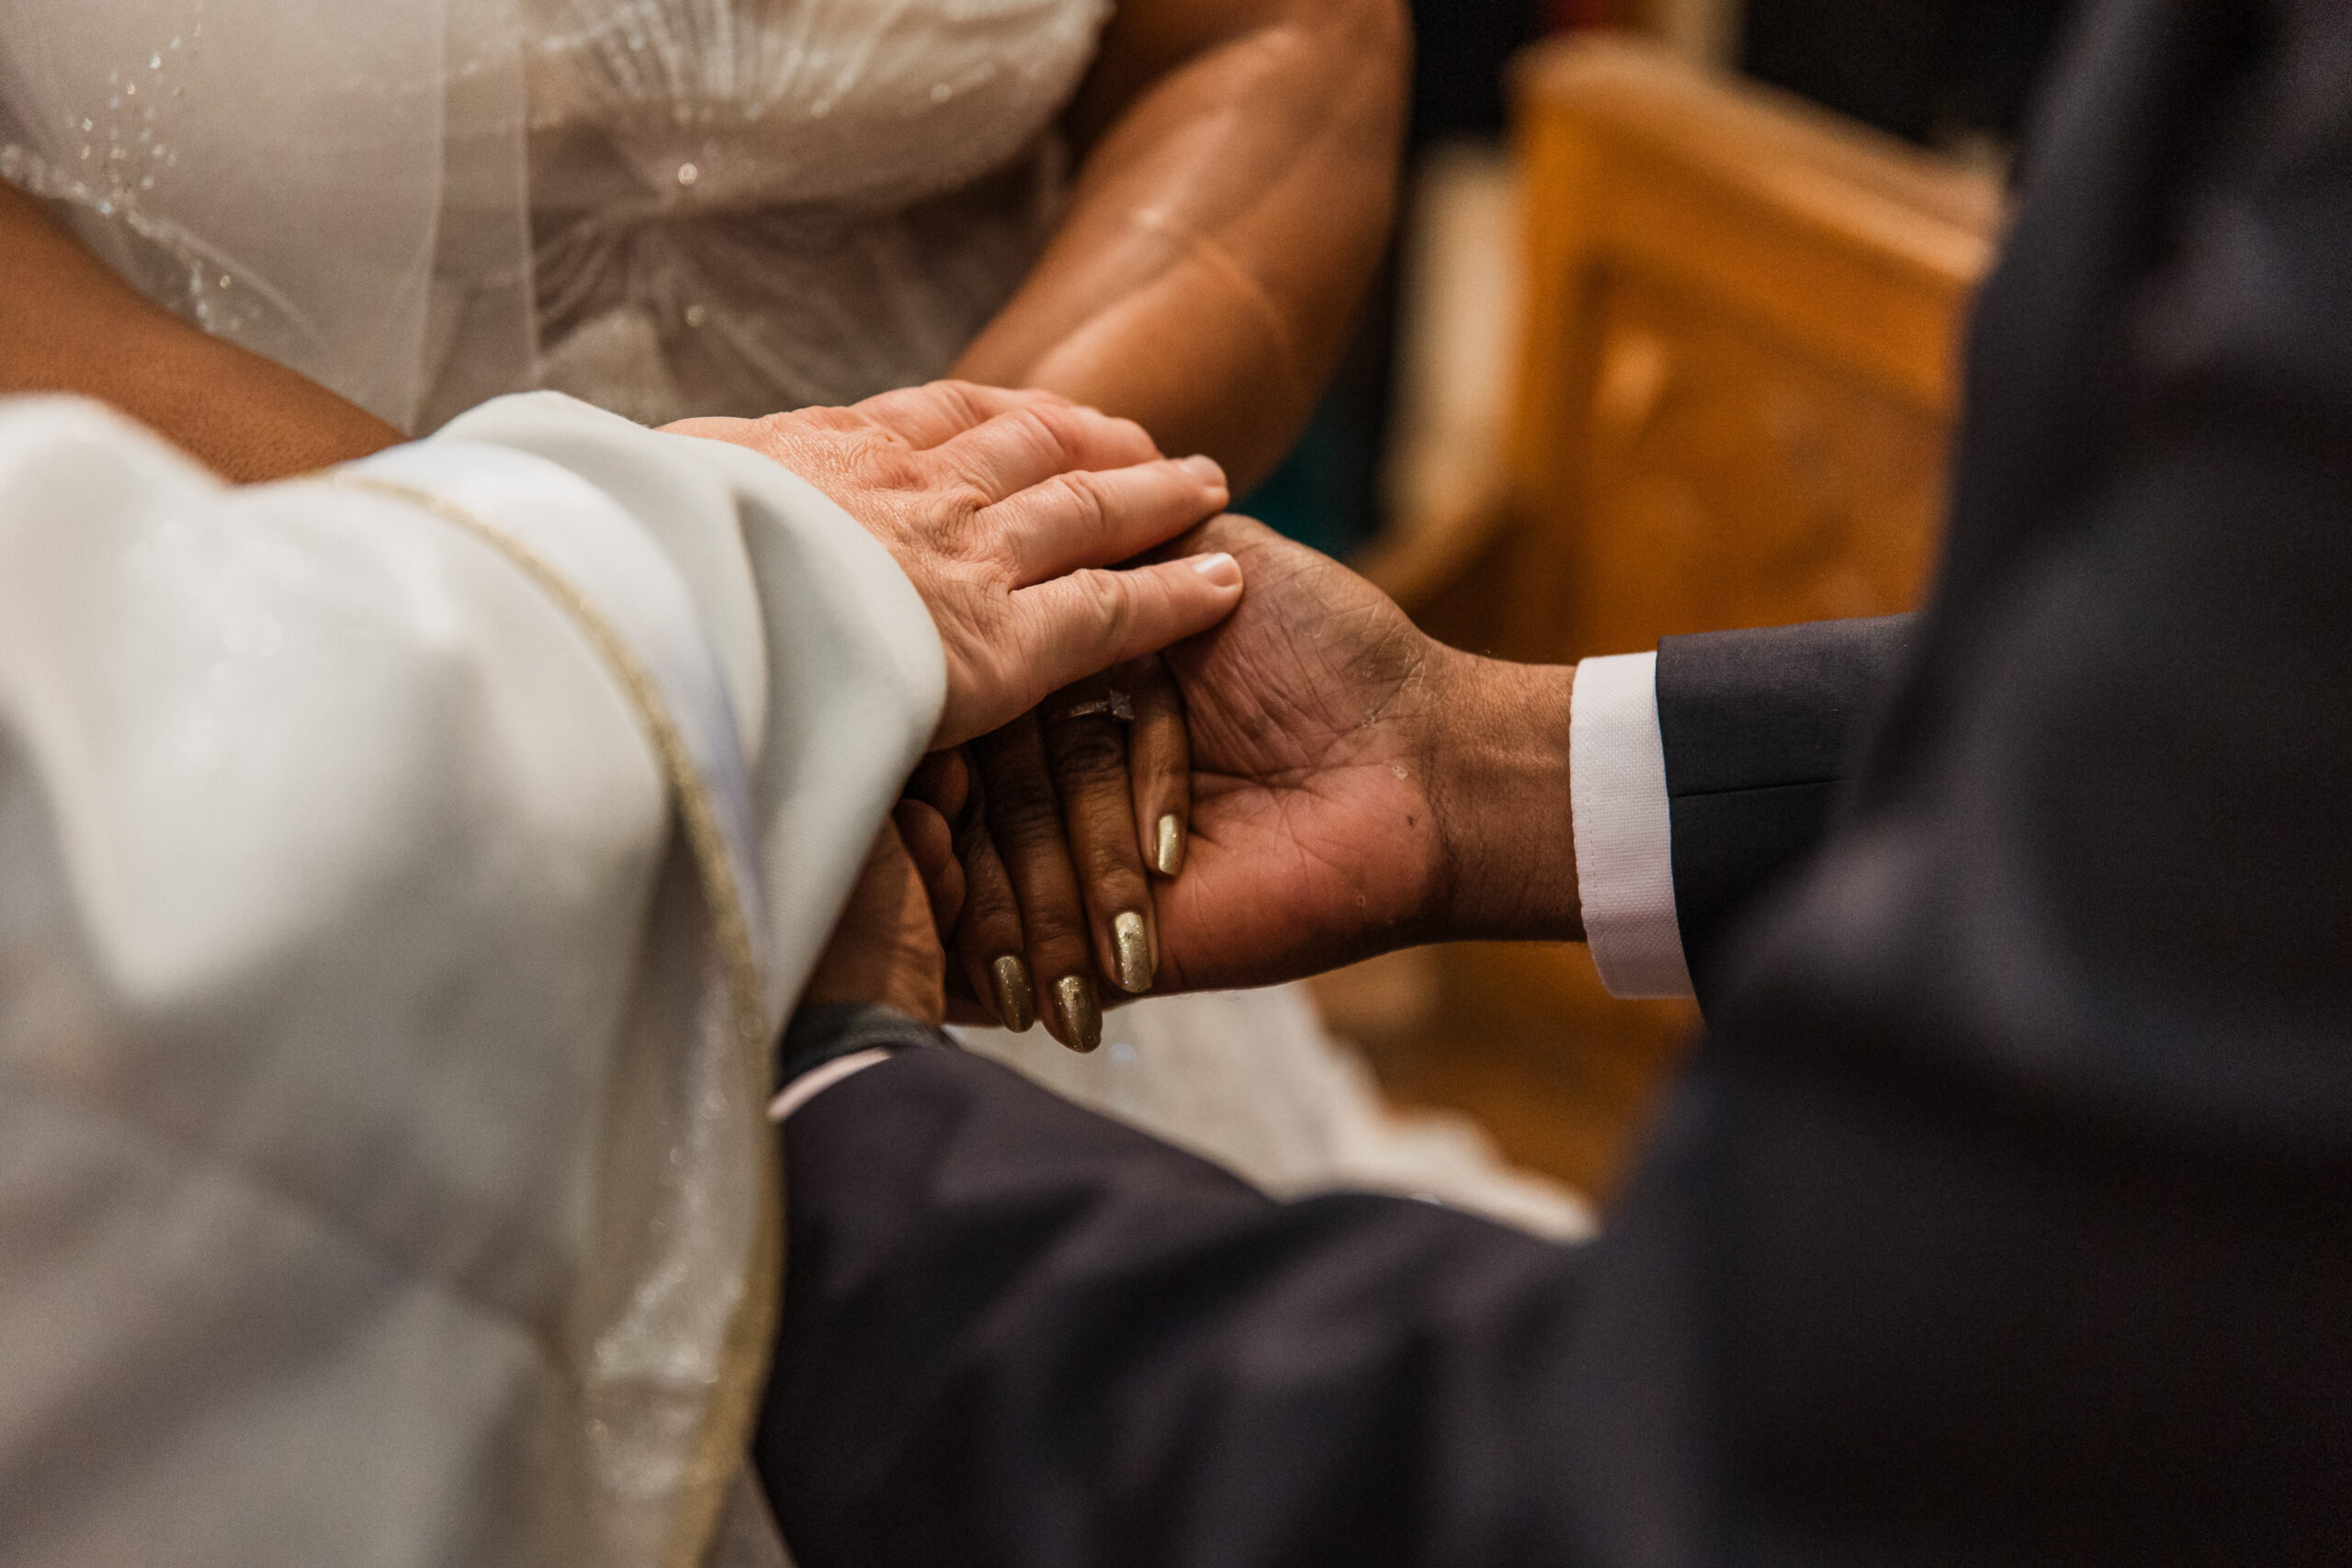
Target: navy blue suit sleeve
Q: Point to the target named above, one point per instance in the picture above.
(1760, 729)
(1016, 1333)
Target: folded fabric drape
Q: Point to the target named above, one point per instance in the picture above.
(380, 1154)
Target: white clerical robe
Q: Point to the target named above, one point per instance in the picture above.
(402, 872)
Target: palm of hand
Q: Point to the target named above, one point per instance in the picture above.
(1313, 836)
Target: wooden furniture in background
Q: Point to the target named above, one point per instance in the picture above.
(1738, 328)
(1739, 354)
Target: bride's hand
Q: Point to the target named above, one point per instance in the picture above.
(1003, 508)
(1061, 820)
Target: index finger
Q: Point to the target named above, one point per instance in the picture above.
(1097, 517)
(1033, 441)
(938, 411)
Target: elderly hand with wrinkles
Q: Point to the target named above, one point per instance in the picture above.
(1009, 512)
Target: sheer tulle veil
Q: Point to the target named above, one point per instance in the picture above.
(738, 205)
(339, 188)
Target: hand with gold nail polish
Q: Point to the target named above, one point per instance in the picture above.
(1062, 819)
(1354, 786)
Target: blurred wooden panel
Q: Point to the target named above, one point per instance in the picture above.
(1740, 365)
(1737, 381)
(1732, 478)
(1705, 32)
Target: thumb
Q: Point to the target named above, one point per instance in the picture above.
(1083, 624)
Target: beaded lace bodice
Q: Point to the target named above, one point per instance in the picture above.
(799, 200)
(718, 104)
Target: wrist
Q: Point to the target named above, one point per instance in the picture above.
(911, 984)
(882, 957)
(1500, 788)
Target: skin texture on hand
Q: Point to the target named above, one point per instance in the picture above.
(69, 324)
(1357, 786)
(1004, 509)
(884, 947)
(1238, 176)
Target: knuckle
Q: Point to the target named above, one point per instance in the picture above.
(1111, 599)
(970, 827)
(1057, 922)
(1117, 883)
(880, 457)
(1024, 813)
(1082, 496)
(842, 421)
(961, 498)
(989, 906)
(1060, 430)
(1088, 750)
(1026, 426)
(955, 399)
(1132, 437)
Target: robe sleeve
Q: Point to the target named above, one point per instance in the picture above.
(352, 1148)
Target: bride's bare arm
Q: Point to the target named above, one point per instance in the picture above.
(1240, 161)
(69, 324)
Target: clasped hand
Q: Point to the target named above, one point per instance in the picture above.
(1306, 780)
(1342, 785)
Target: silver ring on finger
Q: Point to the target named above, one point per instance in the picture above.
(1118, 705)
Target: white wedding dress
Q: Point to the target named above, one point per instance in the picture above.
(665, 208)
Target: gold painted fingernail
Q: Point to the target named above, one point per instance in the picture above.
(1082, 1014)
(1170, 858)
(1135, 952)
(1016, 1004)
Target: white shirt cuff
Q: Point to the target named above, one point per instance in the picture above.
(817, 1080)
(1624, 835)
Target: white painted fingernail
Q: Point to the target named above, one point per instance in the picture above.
(1220, 568)
(1205, 469)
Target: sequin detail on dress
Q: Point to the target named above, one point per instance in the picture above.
(746, 205)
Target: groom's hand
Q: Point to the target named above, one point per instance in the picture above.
(1002, 508)
(1357, 786)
